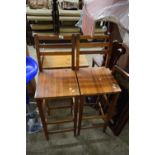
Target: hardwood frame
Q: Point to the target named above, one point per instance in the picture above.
(58, 82)
(56, 41)
(102, 41)
(117, 51)
(123, 117)
(97, 81)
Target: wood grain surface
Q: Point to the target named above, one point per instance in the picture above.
(57, 83)
(93, 81)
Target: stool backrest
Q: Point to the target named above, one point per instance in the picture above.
(98, 44)
(54, 45)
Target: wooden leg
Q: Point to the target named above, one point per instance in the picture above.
(48, 108)
(75, 115)
(72, 106)
(80, 113)
(93, 63)
(41, 113)
(111, 110)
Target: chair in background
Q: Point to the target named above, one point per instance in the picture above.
(95, 80)
(117, 51)
(56, 83)
(122, 111)
(119, 120)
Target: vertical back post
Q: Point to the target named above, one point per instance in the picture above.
(36, 39)
(108, 55)
(77, 51)
(73, 50)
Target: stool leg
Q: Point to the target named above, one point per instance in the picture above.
(111, 110)
(41, 113)
(93, 63)
(80, 113)
(75, 115)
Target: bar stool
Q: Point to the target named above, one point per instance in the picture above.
(95, 81)
(56, 83)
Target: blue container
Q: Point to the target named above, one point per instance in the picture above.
(31, 69)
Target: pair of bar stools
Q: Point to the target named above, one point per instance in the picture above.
(75, 82)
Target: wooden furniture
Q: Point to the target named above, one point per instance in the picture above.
(98, 44)
(97, 81)
(56, 62)
(122, 110)
(57, 45)
(117, 51)
(56, 84)
(57, 51)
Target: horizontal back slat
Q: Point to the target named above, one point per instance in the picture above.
(94, 44)
(56, 53)
(92, 52)
(96, 41)
(55, 37)
(95, 37)
(56, 45)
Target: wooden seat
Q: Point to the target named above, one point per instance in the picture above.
(56, 84)
(117, 51)
(95, 81)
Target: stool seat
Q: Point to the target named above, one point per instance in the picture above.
(56, 83)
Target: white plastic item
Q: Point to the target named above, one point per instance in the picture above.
(110, 10)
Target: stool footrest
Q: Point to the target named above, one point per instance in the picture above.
(60, 107)
(60, 131)
(60, 121)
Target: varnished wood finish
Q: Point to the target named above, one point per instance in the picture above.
(55, 37)
(97, 41)
(96, 81)
(75, 114)
(56, 62)
(81, 105)
(122, 110)
(41, 113)
(36, 40)
(61, 83)
(57, 83)
(116, 52)
(55, 47)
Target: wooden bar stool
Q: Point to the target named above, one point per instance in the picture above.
(95, 81)
(56, 83)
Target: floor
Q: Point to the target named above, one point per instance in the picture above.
(90, 142)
